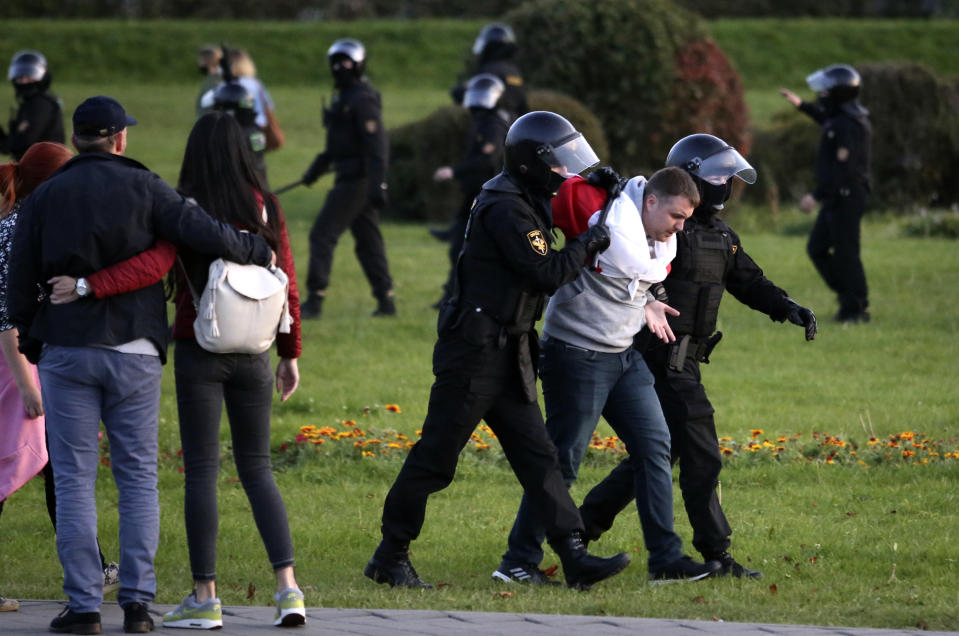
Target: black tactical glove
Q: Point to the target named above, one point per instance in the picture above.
(804, 317)
(376, 196)
(316, 170)
(596, 239)
(605, 178)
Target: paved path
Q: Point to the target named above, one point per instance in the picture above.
(34, 618)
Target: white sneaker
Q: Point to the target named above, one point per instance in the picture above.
(192, 615)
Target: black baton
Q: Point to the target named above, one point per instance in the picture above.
(287, 187)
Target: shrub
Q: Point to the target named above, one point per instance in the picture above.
(817, 8)
(646, 68)
(915, 142)
(418, 148)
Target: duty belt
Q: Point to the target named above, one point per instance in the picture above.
(697, 349)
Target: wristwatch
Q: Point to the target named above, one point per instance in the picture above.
(83, 287)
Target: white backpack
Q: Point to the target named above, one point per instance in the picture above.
(241, 308)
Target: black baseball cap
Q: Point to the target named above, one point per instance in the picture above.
(100, 116)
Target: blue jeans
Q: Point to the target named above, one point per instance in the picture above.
(578, 386)
(81, 387)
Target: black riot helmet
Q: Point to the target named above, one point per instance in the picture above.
(234, 99)
(483, 91)
(539, 141)
(712, 163)
(495, 41)
(27, 64)
(347, 48)
(836, 84)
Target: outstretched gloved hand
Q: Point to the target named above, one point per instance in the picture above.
(804, 317)
(596, 239)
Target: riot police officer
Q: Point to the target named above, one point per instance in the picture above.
(357, 149)
(709, 260)
(494, 52)
(842, 185)
(483, 158)
(234, 99)
(39, 116)
(484, 358)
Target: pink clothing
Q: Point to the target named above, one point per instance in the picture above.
(23, 449)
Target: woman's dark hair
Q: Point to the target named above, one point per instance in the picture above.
(219, 171)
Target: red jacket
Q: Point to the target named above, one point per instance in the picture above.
(575, 202)
(152, 265)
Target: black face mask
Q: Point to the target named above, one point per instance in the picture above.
(553, 182)
(24, 91)
(343, 77)
(713, 197)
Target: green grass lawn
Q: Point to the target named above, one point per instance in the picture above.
(840, 544)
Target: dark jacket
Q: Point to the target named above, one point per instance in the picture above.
(355, 140)
(38, 118)
(484, 150)
(97, 210)
(508, 264)
(846, 126)
(709, 260)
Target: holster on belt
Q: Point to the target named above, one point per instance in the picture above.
(688, 347)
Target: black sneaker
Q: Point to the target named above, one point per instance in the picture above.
(684, 569)
(136, 619)
(312, 308)
(70, 622)
(386, 307)
(523, 573)
(395, 572)
(730, 567)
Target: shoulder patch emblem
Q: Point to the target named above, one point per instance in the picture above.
(514, 80)
(371, 126)
(537, 242)
(735, 248)
(23, 126)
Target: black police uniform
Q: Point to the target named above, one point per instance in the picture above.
(257, 140)
(483, 160)
(356, 146)
(513, 100)
(709, 259)
(843, 188)
(39, 117)
(483, 361)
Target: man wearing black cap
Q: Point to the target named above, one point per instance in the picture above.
(101, 358)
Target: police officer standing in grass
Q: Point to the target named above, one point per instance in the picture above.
(709, 259)
(356, 147)
(39, 116)
(494, 52)
(842, 185)
(484, 357)
(483, 159)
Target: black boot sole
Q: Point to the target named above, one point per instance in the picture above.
(613, 569)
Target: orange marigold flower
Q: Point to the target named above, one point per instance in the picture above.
(782, 439)
(307, 428)
(369, 454)
(318, 441)
(908, 453)
(394, 445)
(756, 432)
(394, 408)
(725, 451)
(907, 435)
(725, 438)
(348, 422)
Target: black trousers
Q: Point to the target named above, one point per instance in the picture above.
(346, 208)
(694, 445)
(833, 247)
(478, 382)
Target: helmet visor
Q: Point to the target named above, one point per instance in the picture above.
(819, 81)
(718, 168)
(572, 153)
(29, 69)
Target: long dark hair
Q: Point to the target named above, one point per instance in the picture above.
(219, 171)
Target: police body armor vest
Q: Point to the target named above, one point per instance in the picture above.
(697, 280)
(486, 283)
(344, 137)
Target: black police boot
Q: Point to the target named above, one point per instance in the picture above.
(313, 307)
(386, 306)
(391, 564)
(581, 568)
(731, 568)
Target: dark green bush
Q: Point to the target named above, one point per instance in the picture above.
(926, 224)
(646, 68)
(915, 144)
(818, 8)
(418, 148)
